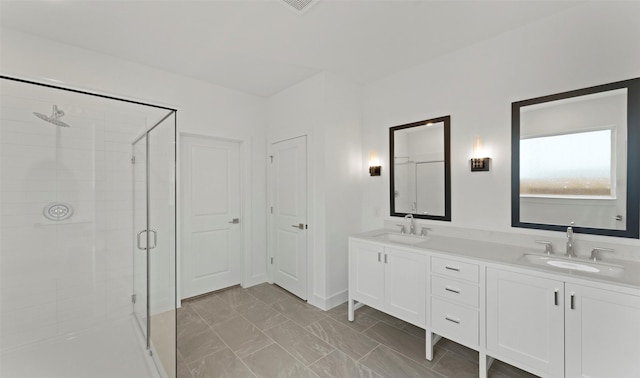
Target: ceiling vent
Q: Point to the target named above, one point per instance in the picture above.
(300, 6)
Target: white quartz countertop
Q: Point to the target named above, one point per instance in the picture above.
(511, 255)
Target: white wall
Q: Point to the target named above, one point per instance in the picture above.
(202, 109)
(343, 174)
(592, 44)
(326, 109)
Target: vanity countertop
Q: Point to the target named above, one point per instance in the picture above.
(505, 254)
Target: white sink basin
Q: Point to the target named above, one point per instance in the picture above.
(574, 264)
(400, 238)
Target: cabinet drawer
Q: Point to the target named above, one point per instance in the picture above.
(456, 269)
(460, 292)
(454, 322)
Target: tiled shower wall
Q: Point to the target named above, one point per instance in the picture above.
(59, 277)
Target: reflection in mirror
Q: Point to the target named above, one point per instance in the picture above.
(420, 179)
(575, 159)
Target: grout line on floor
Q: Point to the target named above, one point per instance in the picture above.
(368, 353)
(334, 349)
(296, 359)
(244, 363)
(371, 326)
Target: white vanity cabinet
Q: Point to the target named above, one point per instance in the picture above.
(554, 328)
(602, 331)
(455, 301)
(525, 321)
(392, 280)
(547, 322)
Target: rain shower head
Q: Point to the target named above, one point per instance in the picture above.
(56, 114)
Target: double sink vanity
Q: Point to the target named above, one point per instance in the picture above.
(548, 314)
(563, 314)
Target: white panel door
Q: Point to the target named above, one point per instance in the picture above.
(602, 333)
(525, 321)
(211, 247)
(289, 223)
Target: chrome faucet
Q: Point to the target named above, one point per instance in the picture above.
(570, 252)
(412, 224)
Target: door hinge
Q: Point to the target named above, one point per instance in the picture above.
(271, 157)
(133, 298)
(133, 160)
(271, 209)
(272, 261)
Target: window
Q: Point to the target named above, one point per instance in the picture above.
(568, 165)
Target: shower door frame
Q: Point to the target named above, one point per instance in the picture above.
(141, 319)
(146, 328)
(151, 242)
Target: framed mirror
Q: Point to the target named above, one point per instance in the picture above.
(576, 158)
(420, 182)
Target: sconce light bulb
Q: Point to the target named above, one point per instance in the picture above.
(373, 159)
(477, 147)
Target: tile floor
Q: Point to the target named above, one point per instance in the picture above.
(264, 331)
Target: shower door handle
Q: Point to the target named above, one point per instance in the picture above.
(155, 238)
(139, 245)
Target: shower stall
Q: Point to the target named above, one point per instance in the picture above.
(87, 234)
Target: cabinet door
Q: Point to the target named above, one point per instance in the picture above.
(366, 274)
(525, 321)
(602, 333)
(405, 285)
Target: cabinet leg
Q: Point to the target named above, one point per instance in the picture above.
(428, 340)
(484, 366)
(351, 309)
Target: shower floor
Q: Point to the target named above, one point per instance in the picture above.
(113, 350)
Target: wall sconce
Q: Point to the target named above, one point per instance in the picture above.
(478, 162)
(374, 164)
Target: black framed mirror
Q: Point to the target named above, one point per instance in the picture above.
(420, 182)
(576, 159)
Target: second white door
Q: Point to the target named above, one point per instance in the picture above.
(289, 215)
(211, 224)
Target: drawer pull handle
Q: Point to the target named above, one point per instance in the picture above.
(555, 297)
(452, 320)
(573, 296)
(379, 260)
(452, 290)
(452, 268)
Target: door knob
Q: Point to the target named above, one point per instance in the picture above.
(235, 221)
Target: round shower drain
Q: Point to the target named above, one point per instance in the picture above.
(58, 211)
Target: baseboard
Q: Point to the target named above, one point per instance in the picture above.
(330, 302)
(255, 280)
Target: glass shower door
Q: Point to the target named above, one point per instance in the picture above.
(154, 252)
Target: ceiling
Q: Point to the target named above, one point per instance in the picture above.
(264, 46)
